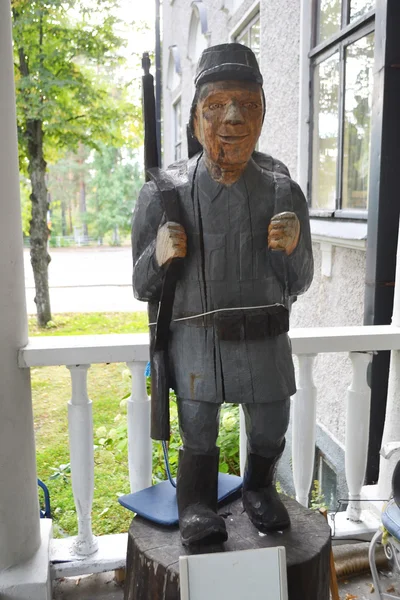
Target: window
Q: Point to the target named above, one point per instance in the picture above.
(198, 31)
(341, 66)
(250, 35)
(174, 68)
(177, 109)
(325, 492)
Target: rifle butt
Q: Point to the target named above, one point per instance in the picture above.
(160, 423)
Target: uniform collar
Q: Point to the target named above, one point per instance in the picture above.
(212, 189)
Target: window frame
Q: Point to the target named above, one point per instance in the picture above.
(177, 143)
(347, 35)
(247, 27)
(249, 16)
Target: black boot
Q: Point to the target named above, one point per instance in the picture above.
(196, 491)
(260, 499)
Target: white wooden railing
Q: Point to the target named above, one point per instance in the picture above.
(85, 553)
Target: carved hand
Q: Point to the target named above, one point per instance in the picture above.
(284, 232)
(171, 243)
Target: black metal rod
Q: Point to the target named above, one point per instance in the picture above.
(151, 154)
(158, 80)
(383, 209)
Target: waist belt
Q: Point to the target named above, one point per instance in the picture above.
(252, 324)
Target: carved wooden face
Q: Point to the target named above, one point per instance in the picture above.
(228, 121)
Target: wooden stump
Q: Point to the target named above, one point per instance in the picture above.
(153, 553)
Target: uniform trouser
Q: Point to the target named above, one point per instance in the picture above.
(266, 425)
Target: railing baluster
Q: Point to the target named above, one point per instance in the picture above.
(357, 431)
(80, 423)
(139, 441)
(242, 441)
(304, 419)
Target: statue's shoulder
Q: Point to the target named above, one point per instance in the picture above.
(181, 171)
(270, 164)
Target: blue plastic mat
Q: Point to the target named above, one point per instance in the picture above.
(158, 503)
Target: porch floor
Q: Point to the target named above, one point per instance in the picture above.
(103, 587)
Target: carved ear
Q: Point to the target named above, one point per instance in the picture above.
(196, 128)
(194, 146)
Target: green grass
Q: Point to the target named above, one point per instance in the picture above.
(107, 385)
(91, 324)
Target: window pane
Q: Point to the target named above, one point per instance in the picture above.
(250, 36)
(243, 38)
(329, 18)
(325, 133)
(255, 39)
(358, 98)
(360, 7)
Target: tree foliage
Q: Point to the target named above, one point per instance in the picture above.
(115, 183)
(66, 55)
(112, 177)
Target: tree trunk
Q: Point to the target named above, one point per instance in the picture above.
(39, 231)
(82, 189)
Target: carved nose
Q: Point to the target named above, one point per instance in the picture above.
(233, 114)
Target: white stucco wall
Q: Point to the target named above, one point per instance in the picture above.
(331, 301)
(280, 67)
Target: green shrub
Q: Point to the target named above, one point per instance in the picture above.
(116, 440)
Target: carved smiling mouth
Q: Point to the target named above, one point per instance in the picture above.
(233, 139)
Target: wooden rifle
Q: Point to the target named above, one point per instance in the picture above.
(160, 312)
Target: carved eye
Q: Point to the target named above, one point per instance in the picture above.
(251, 105)
(215, 106)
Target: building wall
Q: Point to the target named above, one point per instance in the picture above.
(335, 300)
(280, 21)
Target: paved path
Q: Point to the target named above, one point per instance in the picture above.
(86, 280)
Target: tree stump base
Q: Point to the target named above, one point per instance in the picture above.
(152, 571)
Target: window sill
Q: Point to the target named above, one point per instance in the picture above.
(348, 234)
(351, 235)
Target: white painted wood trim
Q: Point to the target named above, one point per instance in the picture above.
(87, 349)
(111, 555)
(316, 340)
(303, 147)
(304, 410)
(19, 506)
(326, 259)
(247, 17)
(242, 441)
(391, 432)
(352, 244)
(80, 425)
(139, 440)
(357, 432)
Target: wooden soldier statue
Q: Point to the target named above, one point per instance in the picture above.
(243, 238)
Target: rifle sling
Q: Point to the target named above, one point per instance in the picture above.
(170, 201)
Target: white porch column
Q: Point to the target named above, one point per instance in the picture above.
(19, 507)
(357, 432)
(80, 425)
(303, 437)
(391, 432)
(139, 440)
